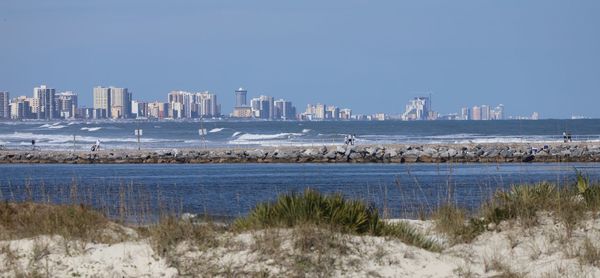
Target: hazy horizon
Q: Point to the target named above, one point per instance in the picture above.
(369, 56)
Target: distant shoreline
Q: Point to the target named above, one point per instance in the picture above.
(432, 153)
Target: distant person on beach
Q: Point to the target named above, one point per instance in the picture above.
(352, 139)
(564, 137)
(96, 147)
(33, 144)
(569, 137)
(346, 140)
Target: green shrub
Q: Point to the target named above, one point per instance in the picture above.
(330, 211)
(289, 210)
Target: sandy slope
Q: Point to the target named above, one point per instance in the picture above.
(541, 251)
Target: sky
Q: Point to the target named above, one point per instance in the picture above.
(371, 56)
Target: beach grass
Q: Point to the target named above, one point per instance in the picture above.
(569, 204)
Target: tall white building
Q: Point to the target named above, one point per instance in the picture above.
(67, 104)
(120, 103)
(485, 113)
(207, 104)
(418, 108)
(47, 108)
(102, 102)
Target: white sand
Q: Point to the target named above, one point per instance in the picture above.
(541, 251)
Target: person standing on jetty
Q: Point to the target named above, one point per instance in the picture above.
(96, 147)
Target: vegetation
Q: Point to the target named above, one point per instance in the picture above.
(305, 234)
(331, 211)
(522, 203)
(20, 220)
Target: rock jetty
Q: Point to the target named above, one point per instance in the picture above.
(488, 153)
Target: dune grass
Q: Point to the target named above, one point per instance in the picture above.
(331, 211)
(522, 203)
(20, 220)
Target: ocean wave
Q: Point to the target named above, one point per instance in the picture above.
(214, 130)
(256, 137)
(91, 128)
(58, 139)
(57, 126)
(236, 133)
(306, 130)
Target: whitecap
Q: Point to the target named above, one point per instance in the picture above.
(91, 128)
(214, 130)
(256, 137)
(236, 134)
(306, 130)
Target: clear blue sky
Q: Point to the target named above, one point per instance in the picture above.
(371, 56)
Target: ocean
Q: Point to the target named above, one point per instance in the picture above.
(230, 190)
(185, 134)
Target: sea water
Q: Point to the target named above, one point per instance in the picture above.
(185, 134)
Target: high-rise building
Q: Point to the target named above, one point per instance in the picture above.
(4, 105)
(240, 97)
(139, 109)
(465, 113)
(47, 109)
(120, 103)
(535, 116)
(320, 110)
(498, 112)
(186, 105)
(20, 108)
(158, 110)
(346, 114)
(207, 104)
(284, 110)
(66, 102)
(476, 113)
(485, 113)
(255, 106)
(102, 102)
(418, 108)
(267, 107)
(333, 112)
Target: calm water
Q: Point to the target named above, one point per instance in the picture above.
(173, 134)
(233, 189)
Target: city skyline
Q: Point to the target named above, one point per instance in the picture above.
(119, 103)
(465, 51)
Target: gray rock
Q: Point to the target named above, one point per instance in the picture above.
(311, 153)
(350, 150)
(331, 155)
(258, 153)
(355, 156)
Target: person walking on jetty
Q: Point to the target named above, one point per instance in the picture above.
(33, 145)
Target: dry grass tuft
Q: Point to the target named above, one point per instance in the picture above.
(78, 222)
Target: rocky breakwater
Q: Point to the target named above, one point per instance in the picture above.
(490, 153)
